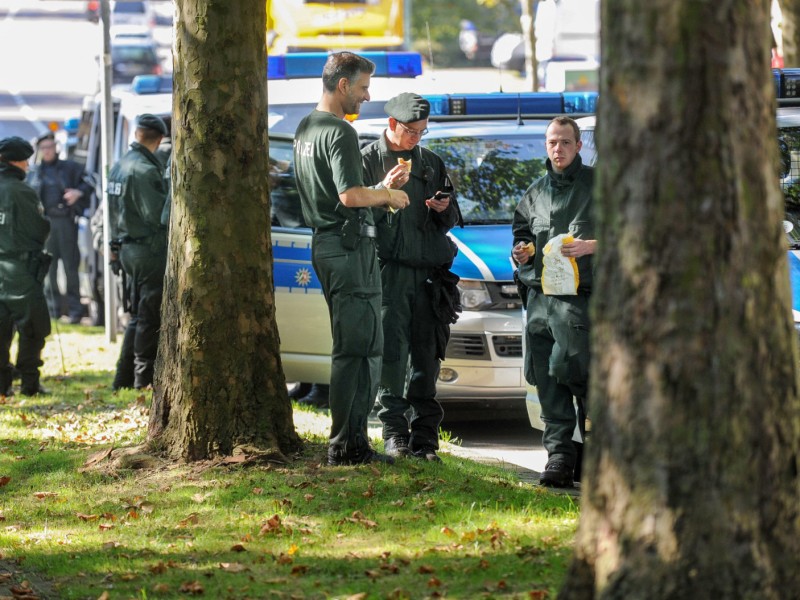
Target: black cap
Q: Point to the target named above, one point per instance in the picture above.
(45, 136)
(408, 107)
(14, 148)
(148, 121)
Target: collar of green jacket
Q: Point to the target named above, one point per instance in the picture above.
(149, 155)
(12, 171)
(567, 176)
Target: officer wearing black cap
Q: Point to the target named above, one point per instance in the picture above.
(414, 251)
(64, 191)
(23, 233)
(137, 193)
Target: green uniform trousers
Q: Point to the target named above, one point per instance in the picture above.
(22, 303)
(351, 283)
(410, 365)
(144, 265)
(557, 363)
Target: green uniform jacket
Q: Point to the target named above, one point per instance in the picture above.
(415, 236)
(23, 232)
(137, 192)
(326, 164)
(554, 204)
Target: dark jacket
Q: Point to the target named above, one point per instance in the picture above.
(137, 192)
(554, 204)
(23, 233)
(49, 180)
(415, 236)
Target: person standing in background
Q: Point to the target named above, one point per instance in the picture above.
(64, 192)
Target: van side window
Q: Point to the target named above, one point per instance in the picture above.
(285, 208)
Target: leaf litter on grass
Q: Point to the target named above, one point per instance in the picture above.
(243, 529)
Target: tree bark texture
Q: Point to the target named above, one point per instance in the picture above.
(691, 485)
(219, 380)
(790, 11)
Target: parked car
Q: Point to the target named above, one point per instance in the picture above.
(131, 57)
(133, 13)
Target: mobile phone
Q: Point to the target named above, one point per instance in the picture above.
(441, 195)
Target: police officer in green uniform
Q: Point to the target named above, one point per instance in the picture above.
(412, 246)
(23, 266)
(557, 331)
(137, 192)
(335, 204)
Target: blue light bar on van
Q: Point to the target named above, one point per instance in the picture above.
(499, 103)
(787, 83)
(72, 125)
(310, 64)
(152, 84)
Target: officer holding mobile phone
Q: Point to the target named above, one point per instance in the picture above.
(413, 250)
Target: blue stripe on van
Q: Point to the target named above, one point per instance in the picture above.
(491, 244)
(794, 278)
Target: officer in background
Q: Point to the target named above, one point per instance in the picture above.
(334, 200)
(557, 331)
(137, 192)
(412, 247)
(23, 233)
(65, 193)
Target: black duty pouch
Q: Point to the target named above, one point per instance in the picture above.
(351, 233)
(39, 265)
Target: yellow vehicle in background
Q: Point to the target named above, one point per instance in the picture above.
(322, 25)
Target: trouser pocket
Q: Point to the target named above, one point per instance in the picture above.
(570, 359)
(357, 327)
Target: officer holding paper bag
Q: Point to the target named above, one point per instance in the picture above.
(553, 242)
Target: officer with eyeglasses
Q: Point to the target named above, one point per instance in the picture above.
(413, 249)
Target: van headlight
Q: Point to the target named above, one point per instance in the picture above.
(474, 295)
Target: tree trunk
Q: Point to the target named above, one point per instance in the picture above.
(790, 10)
(529, 39)
(219, 381)
(691, 485)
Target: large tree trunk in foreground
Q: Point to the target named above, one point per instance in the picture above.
(219, 381)
(691, 483)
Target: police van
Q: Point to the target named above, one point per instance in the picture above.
(787, 87)
(493, 146)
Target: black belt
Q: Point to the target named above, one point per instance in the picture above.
(367, 231)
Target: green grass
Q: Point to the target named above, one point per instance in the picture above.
(413, 530)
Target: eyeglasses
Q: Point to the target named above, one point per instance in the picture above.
(413, 132)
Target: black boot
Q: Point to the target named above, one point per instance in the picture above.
(6, 379)
(31, 386)
(300, 390)
(317, 397)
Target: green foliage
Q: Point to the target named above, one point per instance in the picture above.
(443, 20)
(232, 530)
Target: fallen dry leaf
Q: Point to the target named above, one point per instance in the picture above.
(426, 569)
(84, 517)
(299, 569)
(258, 491)
(192, 587)
(192, 519)
(447, 531)
(233, 567)
(104, 596)
(360, 596)
(4, 480)
(238, 548)
(434, 582)
(41, 495)
(161, 588)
